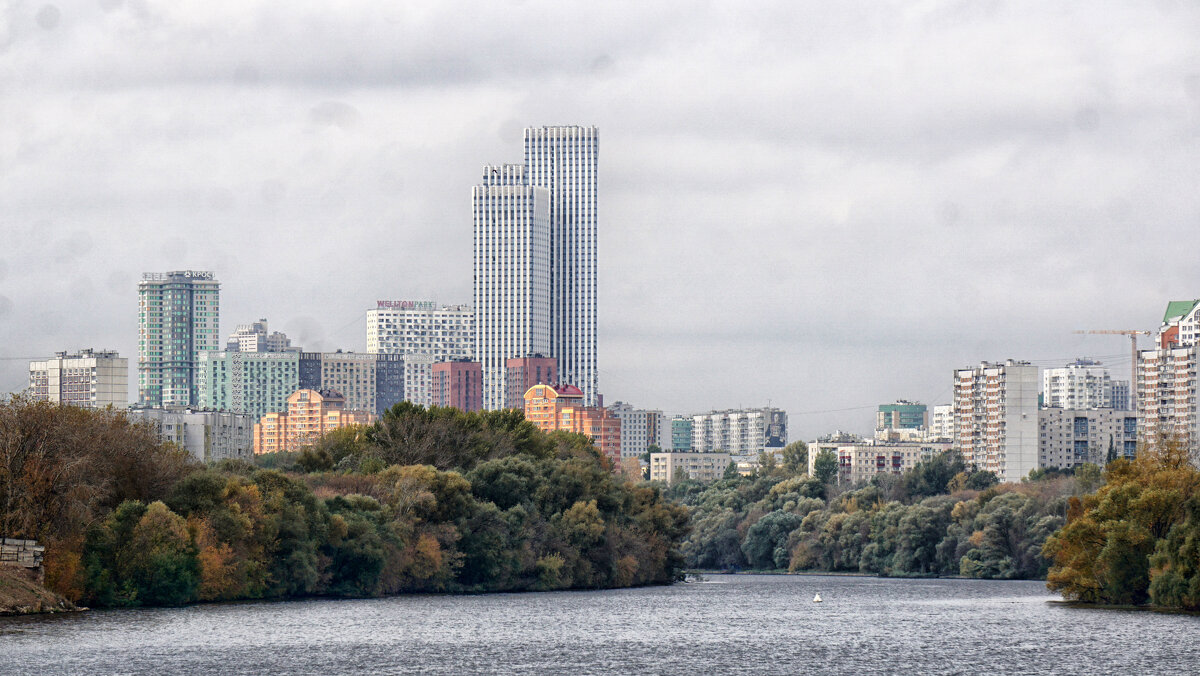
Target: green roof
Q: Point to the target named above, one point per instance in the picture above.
(1178, 308)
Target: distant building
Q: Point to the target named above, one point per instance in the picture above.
(902, 415)
(996, 417)
(522, 373)
(254, 383)
(310, 414)
(369, 382)
(88, 378)
(458, 384)
(418, 379)
(1070, 437)
(1083, 384)
(404, 327)
(739, 431)
(178, 319)
(253, 337)
(209, 436)
(1168, 377)
(681, 433)
(860, 460)
(703, 467)
(560, 407)
(941, 423)
(640, 429)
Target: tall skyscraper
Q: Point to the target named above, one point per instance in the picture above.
(511, 273)
(535, 259)
(178, 318)
(564, 160)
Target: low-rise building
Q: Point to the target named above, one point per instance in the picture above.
(88, 378)
(310, 414)
(704, 467)
(209, 436)
(861, 459)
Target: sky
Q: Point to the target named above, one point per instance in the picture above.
(811, 205)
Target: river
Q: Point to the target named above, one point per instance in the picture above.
(725, 625)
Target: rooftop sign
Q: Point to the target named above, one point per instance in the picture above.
(405, 305)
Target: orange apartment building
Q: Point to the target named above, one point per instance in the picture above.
(560, 407)
(310, 414)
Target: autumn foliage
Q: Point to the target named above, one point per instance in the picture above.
(1136, 540)
(425, 500)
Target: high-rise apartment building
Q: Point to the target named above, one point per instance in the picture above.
(444, 332)
(1168, 378)
(681, 433)
(178, 318)
(565, 161)
(941, 423)
(511, 274)
(522, 373)
(1083, 384)
(1070, 437)
(255, 383)
(367, 382)
(253, 337)
(535, 259)
(739, 432)
(310, 414)
(458, 384)
(88, 378)
(640, 429)
(996, 417)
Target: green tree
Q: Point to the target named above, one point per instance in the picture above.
(795, 458)
(825, 466)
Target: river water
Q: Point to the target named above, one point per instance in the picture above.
(726, 625)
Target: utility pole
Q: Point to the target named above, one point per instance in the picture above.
(1133, 334)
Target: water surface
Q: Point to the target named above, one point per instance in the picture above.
(727, 625)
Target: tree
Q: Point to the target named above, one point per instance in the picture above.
(795, 457)
(825, 466)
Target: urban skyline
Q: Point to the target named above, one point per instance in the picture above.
(865, 215)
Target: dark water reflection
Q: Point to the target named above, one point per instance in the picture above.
(730, 624)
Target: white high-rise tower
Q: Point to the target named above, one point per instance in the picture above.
(564, 160)
(511, 273)
(535, 260)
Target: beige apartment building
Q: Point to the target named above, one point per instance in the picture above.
(88, 378)
(702, 467)
(996, 417)
(310, 414)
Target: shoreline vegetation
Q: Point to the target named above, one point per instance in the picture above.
(424, 500)
(437, 500)
(940, 519)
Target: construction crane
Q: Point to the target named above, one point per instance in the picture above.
(1133, 334)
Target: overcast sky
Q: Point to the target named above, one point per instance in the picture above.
(821, 206)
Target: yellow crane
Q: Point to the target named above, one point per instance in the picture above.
(1133, 334)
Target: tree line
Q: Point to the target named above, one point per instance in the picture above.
(423, 500)
(940, 518)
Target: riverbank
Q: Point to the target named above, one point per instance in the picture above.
(21, 595)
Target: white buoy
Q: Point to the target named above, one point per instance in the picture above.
(817, 598)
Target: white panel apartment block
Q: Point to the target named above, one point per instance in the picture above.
(409, 327)
(1083, 384)
(511, 267)
(996, 417)
(89, 378)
